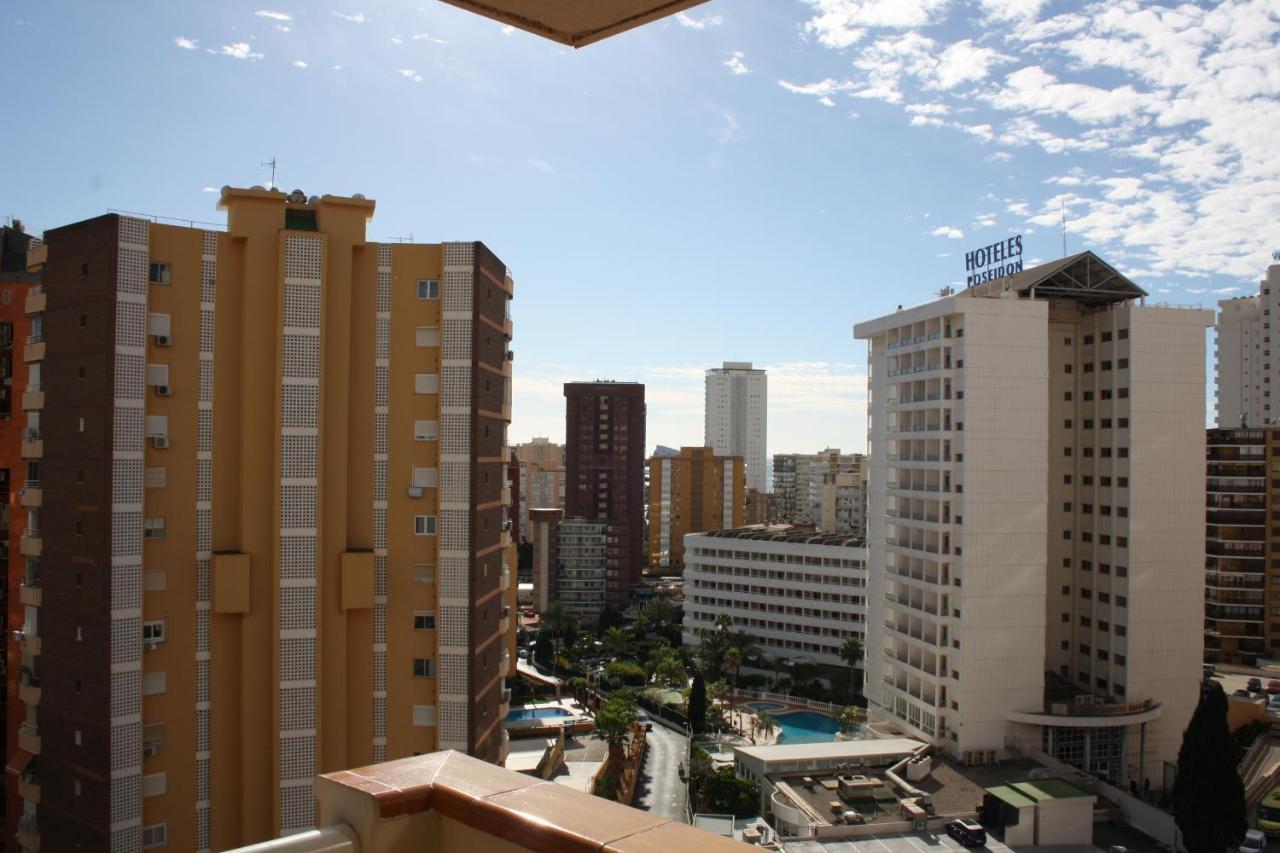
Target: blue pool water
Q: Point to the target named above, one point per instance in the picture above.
(806, 727)
(536, 713)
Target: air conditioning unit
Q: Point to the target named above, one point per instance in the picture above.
(149, 750)
(160, 442)
(164, 391)
(164, 341)
(150, 646)
(416, 491)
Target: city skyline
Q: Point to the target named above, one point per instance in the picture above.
(972, 124)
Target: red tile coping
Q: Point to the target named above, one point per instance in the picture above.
(538, 815)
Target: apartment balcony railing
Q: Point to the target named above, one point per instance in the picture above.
(30, 592)
(1242, 550)
(1253, 469)
(1232, 485)
(1236, 517)
(29, 687)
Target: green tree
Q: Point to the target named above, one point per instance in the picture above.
(851, 654)
(1208, 796)
(720, 791)
(849, 718)
(697, 710)
(764, 724)
(613, 725)
(556, 619)
(616, 641)
(670, 671)
(733, 661)
(624, 672)
(609, 618)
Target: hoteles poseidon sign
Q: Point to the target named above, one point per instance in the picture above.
(995, 261)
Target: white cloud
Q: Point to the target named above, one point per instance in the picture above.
(822, 88)
(410, 74)
(928, 109)
(1035, 90)
(337, 68)
(508, 30)
(948, 231)
(1225, 290)
(737, 63)
(427, 37)
(964, 62)
(985, 220)
(210, 190)
(541, 165)
(1020, 11)
(687, 20)
(185, 43)
(826, 101)
(357, 18)
(397, 40)
(299, 63)
(239, 50)
(843, 23)
(273, 15)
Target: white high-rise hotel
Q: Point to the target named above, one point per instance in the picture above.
(736, 416)
(1036, 506)
(1247, 374)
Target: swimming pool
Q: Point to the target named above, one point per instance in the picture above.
(536, 713)
(806, 727)
(771, 707)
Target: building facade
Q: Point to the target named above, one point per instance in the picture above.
(544, 537)
(581, 579)
(1246, 371)
(736, 418)
(843, 503)
(692, 492)
(798, 594)
(272, 532)
(800, 481)
(1241, 584)
(604, 468)
(541, 476)
(1036, 481)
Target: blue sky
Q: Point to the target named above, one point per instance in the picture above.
(743, 182)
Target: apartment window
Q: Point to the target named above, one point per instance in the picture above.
(1106, 336)
(1122, 601)
(153, 631)
(1085, 649)
(428, 288)
(1066, 424)
(1066, 562)
(1087, 509)
(155, 835)
(426, 430)
(427, 478)
(1066, 395)
(1103, 569)
(1124, 423)
(1088, 339)
(1102, 683)
(427, 336)
(1106, 393)
(1104, 597)
(1066, 451)
(1104, 510)
(1086, 565)
(1124, 363)
(424, 572)
(153, 581)
(1123, 334)
(1088, 367)
(1066, 341)
(1106, 453)
(1087, 479)
(1123, 452)
(1121, 660)
(426, 383)
(153, 527)
(1066, 590)
(1086, 593)
(1122, 571)
(424, 715)
(1121, 630)
(1067, 368)
(153, 683)
(1122, 541)
(1123, 393)
(424, 668)
(424, 525)
(1105, 481)
(424, 620)
(1088, 423)
(159, 272)
(154, 784)
(1088, 452)
(1122, 511)
(1065, 645)
(1086, 536)
(1066, 534)
(1066, 479)
(1066, 506)
(1104, 626)
(1106, 364)
(1085, 622)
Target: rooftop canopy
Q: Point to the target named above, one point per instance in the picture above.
(575, 23)
(1084, 278)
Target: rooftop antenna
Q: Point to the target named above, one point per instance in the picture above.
(272, 164)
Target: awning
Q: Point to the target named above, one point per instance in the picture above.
(18, 763)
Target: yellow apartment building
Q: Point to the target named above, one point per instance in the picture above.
(692, 492)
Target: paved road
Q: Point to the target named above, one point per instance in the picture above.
(660, 789)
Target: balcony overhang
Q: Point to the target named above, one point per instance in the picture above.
(575, 24)
(1073, 719)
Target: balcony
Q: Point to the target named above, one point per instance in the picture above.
(36, 301)
(29, 835)
(32, 448)
(1237, 550)
(28, 738)
(504, 623)
(29, 787)
(32, 495)
(450, 801)
(32, 400)
(31, 593)
(32, 544)
(1234, 486)
(29, 687)
(34, 349)
(29, 640)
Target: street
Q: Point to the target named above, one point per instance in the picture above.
(659, 789)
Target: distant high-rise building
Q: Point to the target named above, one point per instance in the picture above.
(736, 418)
(541, 477)
(692, 492)
(604, 471)
(271, 534)
(799, 480)
(1247, 373)
(581, 575)
(1036, 495)
(757, 507)
(542, 534)
(844, 502)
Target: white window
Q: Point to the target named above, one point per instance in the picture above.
(424, 620)
(157, 425)
(159, 273)
(426, 383)
(79, 740)
(428, 336)
(153, 632)
(424, 572)
(424, 668)
(154, 784)
(153, 527)
(426, 430)
(153, 683)
(424, 715)
(424, 525)
(157, 374)
(158, 324)
(76, 787)
(156, 476)
(426, 478)
(82, 425)
(155, 835)
(428, 288)
(153, 734)
(153, 581)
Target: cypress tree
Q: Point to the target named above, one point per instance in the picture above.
(1208, 796)
(698, 704)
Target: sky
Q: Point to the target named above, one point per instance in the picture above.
(741, 182)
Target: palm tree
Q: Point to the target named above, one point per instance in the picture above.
(613, 725)
(555, 618)
(851, 653)
(765, 723)
(616, 640)
(733, 660)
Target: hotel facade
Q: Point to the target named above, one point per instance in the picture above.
(1036, 494)
(272, 534)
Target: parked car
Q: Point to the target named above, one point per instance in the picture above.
(1255, 841)
(966, 832)
(1273, 704)
(1241, 692)
(1273, 686)
(1255, 685)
